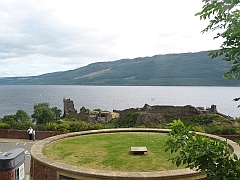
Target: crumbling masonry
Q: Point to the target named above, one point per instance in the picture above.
(153, 114)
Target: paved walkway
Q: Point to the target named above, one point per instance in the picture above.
(5, 140)
(17, 140)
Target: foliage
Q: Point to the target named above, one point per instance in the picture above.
(83, 109)
(20, 120)
(96, 126)
(224, 15)
(212, 157)
(212, 124)
(9, 119)
(129, 121)
(57, 113)
(44, 114)
(4, 126)
(78, 126)
(50, 127)
(113, 123)
(237, 119)
(64, 127)
(16, 125)
(202, 120)
(198, 128)
(22, 116)
(221, 130)
(98, 110)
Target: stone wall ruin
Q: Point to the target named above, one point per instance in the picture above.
(148, 114)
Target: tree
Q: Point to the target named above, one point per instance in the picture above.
(212, 157)
(22, 116)
(57, 112)
(44, 114)
(9, 119)
(82, 109)
(224, 15)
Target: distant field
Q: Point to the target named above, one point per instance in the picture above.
(112, 152)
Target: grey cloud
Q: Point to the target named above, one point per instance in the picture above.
(38, 32)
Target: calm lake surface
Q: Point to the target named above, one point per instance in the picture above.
(23, 97)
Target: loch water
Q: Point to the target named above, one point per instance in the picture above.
(23, 97)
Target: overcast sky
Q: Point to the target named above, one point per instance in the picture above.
(42, 36)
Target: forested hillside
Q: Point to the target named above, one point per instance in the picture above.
(186, 69)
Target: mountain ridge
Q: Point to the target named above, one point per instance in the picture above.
(182, 69)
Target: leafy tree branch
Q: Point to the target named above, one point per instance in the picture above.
(224, 15)
(212, 157)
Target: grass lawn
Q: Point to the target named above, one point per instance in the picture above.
(111, 152)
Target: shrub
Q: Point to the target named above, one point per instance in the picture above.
(213, 130)
(198, 129)
(113, 123)
(64, 127)
(4, 126)
(96, 126)
(129, 121)
(78, 126)
(237, 119)
(50, 127)
(227, 130)
(40, 127)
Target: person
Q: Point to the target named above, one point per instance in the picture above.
(30, 131)
(33, 135)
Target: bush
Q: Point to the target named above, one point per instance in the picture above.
(64, 127)
(237, 119)
(228, 130)
(17, 125)
(129, 121)
(4, 126)
(78, 126)
(96, 126)
(27, 124)
(113, 123)
(40, 127)
(198, 129)
(50, 127)
(214, 130)
(159, 126)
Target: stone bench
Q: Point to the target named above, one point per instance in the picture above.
(139, 150)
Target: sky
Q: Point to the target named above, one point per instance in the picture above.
(43, 36)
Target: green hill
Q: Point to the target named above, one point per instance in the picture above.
(185, 69)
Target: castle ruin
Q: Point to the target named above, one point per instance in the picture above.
(153, 114)
(92, 117)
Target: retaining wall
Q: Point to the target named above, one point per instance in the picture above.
(40, 135)
(45, 168)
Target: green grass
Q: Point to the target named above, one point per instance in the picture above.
(112, 152)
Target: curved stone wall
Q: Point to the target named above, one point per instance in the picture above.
(45, 168)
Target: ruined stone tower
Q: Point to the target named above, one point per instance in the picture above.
(69, 110)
